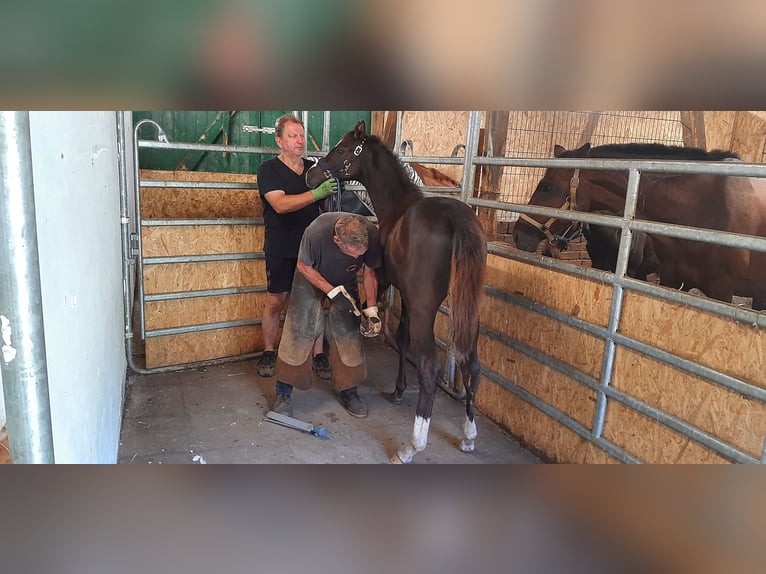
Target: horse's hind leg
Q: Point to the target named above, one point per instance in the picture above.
(428, 370)
(470, 370)
(403, 344)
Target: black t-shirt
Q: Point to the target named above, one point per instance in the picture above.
(284, 231)
(319, 250)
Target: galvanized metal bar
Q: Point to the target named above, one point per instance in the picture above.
(148, 144)
(567, 421)
(726, 381)
(163, 139)
(700, 234)
(195, 222)
(176, 295)
(678, 425)
(436, 160)
(471, 152)
(203, 258)
(201, 327)
(127, 257)
(326, 131)
(23, 361)
(741, 169)
(739, 314)
(671, 230)
(615, 311)
(196, 184)
(682, 427)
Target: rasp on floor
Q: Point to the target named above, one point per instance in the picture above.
(292, 423)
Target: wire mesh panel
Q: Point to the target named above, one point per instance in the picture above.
(534, 135)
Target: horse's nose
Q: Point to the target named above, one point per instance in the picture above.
(311, 176)
(523, 241)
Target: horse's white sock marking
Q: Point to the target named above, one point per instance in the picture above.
(417, 442)
(469, 432)
(420, 433)
(469, 428)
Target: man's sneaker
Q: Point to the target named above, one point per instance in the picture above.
(267, 364)
(283, 405)
(321, 367)
(353, 403)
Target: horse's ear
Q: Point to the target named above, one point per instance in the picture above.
(558, 150)
(360, 129)
(582, 151)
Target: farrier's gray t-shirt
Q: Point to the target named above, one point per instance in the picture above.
(318, 250)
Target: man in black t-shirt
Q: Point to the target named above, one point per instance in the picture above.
(334, 249)
(289, 206)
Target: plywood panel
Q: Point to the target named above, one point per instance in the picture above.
(651, 441)
(190, 203)
(203, 310)
(734, 348)
(175, 277)
(535, 429)
(561, 392)
(728, 415)
(567, 344)
(436, 134)
(202, 346)
(588, 300)
(166, 241)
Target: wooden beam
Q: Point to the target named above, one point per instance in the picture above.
(589, 128)
(693, 123)
(378, 122)
(389, 130)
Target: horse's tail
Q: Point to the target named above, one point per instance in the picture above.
(469, 257)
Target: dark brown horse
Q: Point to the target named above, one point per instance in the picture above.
(719, 202)
(433, 246)
(602, 244)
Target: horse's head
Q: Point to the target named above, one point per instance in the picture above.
(340, 161)
(557, 188)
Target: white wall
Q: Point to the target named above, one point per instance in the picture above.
(77, 203)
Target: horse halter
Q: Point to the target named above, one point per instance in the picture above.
(570, 203)
(328, 173)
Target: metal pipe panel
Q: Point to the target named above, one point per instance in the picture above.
(22, 334)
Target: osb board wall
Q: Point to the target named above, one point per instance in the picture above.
(733, 348)
(204, 310)
(190, 203)
(174, 277)
(180, 240)
(203, 345)
(435, 134)
(168, 241)
(741, 131)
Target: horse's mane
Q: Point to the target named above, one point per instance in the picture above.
(397, 168)
(659, 151)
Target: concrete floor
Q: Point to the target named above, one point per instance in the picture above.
(216, 414)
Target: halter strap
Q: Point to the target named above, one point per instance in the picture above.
(545, 228)
(346, 162)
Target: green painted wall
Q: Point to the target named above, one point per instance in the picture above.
(209, 127)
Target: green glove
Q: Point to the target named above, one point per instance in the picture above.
(327, 187)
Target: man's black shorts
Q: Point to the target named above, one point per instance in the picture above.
(279, 273)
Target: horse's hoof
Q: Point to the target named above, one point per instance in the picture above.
(396, 460)
(466, 445)
(396, 399)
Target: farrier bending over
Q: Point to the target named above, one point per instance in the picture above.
(335, 246)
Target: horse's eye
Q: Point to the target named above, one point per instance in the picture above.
(545, 187)
(340, 151)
